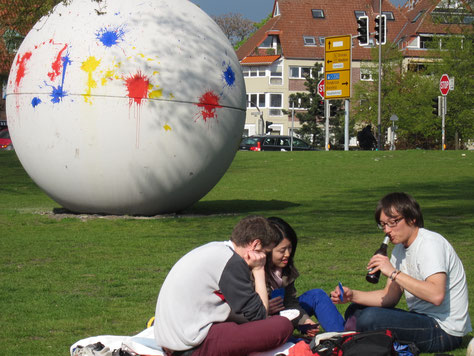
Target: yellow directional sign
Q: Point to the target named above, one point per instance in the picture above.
(337, 66)
(337, 61)
(338, 84)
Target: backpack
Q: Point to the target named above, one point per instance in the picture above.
(373, 343)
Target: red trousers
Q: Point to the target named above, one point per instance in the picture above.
(231, 339)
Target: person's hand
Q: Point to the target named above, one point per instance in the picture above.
(336, 295)
(382, 263)
(312, 331)
(275, 305)
(256, 259)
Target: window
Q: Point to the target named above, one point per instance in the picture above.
(317, 13)
(250, 71)
(359, 13)
(267, 43)
(300, 72)
(426, 42)
(321, 41)
(418, 16)
(416, 67)
(389, 15)
(276, 74)
(366, 75)
(309, 41)
(256, 99)
(276, 104)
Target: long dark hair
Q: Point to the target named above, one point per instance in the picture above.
(290, 234)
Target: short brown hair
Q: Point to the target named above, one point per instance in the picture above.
(255, 227)
(403, 204)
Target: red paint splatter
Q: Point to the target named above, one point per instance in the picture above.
(21, 63)
(209, 102)
(137, 86)
(57, 65)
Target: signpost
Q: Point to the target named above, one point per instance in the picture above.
(337, 78)
(444, 87)
(337, 67)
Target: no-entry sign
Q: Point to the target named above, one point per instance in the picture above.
(444, 84)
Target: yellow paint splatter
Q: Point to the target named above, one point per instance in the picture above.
(109, 75)
(167, 127)
(89, 66)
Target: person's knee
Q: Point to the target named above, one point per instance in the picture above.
(283, 327)
(367, 319)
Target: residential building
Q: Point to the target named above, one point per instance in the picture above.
(276, 59)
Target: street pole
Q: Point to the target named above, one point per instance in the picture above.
(379, 108)
(346, 125)
(443, 113)
(292, 124)
(326, 115)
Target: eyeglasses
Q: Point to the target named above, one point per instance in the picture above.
(390, 224)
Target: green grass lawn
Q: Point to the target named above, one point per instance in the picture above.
(66, 278)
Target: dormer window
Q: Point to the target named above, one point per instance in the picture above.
(418, 16)
(389, 15)
(317, 13)
(309, 41)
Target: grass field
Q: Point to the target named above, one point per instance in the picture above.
(64, 278)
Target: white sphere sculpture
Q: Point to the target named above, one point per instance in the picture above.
(126, 107)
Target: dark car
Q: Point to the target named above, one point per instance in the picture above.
(5, 140)
(273, 143)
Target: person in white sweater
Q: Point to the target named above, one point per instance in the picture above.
(214, 300)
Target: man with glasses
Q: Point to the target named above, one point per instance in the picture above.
(425, 267)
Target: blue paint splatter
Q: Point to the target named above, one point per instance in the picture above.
(58, 93)
(35, 101)
(229, 76)
(110, 37)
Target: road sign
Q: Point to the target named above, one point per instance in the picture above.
(337, 67)
(338, 84)
(321, 88)
(444, 84)
(337, 61)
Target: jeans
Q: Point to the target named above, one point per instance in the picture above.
(316, 302)
(408, 327)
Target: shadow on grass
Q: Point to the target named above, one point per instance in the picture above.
(237, 206)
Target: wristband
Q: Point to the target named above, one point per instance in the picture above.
(394, 274)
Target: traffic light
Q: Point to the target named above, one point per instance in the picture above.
(381, 29)
(436, 106)
(267, 126)
(363, 29)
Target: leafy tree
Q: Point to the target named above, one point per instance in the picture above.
(235, 26)
(404, 93)
(310, 113)
(455, 58)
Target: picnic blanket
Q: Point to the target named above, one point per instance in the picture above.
(144, 344)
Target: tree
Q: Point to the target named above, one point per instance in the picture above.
(310, 113)
(404, 93)
(455, 58)
(235, 26)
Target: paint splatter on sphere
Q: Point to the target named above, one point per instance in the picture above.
(126, 107)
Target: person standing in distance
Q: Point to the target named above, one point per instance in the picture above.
(425, 267)
(209, 305)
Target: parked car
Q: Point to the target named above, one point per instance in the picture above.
(5, 140)
(273, 143)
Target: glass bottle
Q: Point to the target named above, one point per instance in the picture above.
(382, 250)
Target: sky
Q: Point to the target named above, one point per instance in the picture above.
(255, 10)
